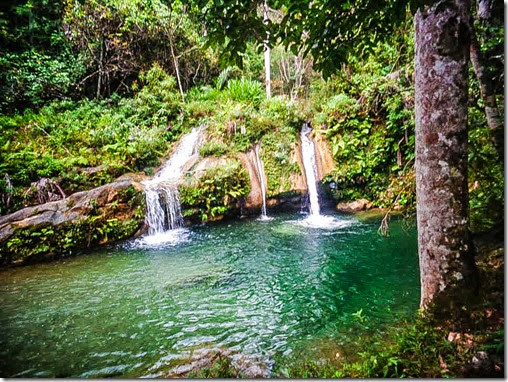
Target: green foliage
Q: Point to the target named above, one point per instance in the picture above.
(494, 343)
(216, 192)
(244, 90)
(33, 78)
(65, 138)
(223, 77)
(276, 151)
(213, 148)
(119, 39)
(240, 125)
(325, 30)
(366, 114)
(36, 64)
(486, 177)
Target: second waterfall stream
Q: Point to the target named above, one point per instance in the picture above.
(261, 174)
(163, 210)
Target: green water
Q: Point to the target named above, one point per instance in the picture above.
(263, 289)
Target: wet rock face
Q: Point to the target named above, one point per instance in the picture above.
(355, 206)
(324, 158)
(286, 198)
(101, 215)
(254, 200)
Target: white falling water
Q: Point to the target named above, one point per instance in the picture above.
(163, 210)
(315, 219)
(261, 175)
(309, 163)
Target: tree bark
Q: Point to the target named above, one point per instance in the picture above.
(494, 121)
(446, 253)
(484, 9)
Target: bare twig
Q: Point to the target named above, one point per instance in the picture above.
(384, 229)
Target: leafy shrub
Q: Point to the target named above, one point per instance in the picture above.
(275, 153)
(216, 193)
(223, 77)
(33, 78)
(369, 124)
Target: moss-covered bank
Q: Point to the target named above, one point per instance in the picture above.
(83, 220)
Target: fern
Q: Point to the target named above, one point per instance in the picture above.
(223, 77)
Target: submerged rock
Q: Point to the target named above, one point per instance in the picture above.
(219, 363)
(81, 220)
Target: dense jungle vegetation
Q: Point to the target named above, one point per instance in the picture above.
(91, 90)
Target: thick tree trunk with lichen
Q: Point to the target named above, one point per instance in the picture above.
(441, 89)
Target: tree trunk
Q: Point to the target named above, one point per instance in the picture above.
(101, 70)
(494, 121)
(177, 70)
(267, 54)
(446, 254)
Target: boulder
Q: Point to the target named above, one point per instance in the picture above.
(103, 214)
(355, 206)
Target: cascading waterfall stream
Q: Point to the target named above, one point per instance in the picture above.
(315, 219)
(261, 175)
(163, 210)
(309, 163)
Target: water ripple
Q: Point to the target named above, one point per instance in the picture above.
(256, 288)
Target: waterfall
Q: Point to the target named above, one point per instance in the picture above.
(309, 163)
(163, 210)
(261, 175)
(315, 219)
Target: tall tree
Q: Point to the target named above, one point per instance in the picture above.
(441, 89)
